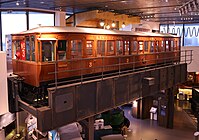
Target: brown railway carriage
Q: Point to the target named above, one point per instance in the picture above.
(71, 51)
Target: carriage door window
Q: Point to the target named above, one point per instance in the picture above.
(48, 50)
(172, 45)
(101, 47)
(27, 42)
(146, 46)
(126, 47)
(119, 47)
(152, 46)
(62, 49)
(89, 48)
(76, 48)
(110, 47)
(32, 44)
(134, 45)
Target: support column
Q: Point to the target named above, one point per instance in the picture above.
(170, 108)
(60, 18)
(2, 134)
(88, 128)
(141, 108)
(166, 109)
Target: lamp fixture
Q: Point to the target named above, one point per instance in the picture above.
(113, 24)
(123, 25)
(108, 27)
(101, 23)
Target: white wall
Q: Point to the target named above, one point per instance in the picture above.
(146, 25)
(194, 66)
(3, 84)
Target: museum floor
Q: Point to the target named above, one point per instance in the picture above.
(184, 127)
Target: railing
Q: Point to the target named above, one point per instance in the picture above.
(101, 67)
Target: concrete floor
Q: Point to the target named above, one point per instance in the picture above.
(149, 130)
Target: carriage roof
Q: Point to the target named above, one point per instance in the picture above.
(63, 29)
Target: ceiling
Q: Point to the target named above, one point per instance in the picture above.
(163, 11)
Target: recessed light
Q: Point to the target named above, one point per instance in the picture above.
(42, 2)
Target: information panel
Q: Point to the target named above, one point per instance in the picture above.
(3, 84)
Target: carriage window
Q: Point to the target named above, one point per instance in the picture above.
(76, 48)
(157, 46)
(110, 47)
(175, 45)
(32, 44)
(141, 45)
(162, 46)
(126, 47)
(27, 41)
(119, 47)
(62, 49)
(17, 50)
(152, 46)
(47, 50)
(101, 47)
(167, 45)
(146, 46)
(89, 48)
(172, 45)
(134, 45)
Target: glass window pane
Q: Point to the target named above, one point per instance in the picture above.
(9, 25)
(191, 35)
(110, 47)
(172, 45)
(17, 49)
(152, 46)
(43, 19)
(167, 45)
(62, 49)
(27, 48)
(101, 47)
(134, 45)
(89, 47)
(176, 29)
(119, 47)
(32, 44)
(146, 46)
(141, 45)
(76, 49)
(162, 46)
(126, 47)
(48, 50)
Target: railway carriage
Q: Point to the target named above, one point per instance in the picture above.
(47, 53)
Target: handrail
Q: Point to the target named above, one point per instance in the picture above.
(160, 59)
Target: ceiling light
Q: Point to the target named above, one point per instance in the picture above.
(113, 24)
(101, 23)
(17, 3)
(123, 25)
(42, 2)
